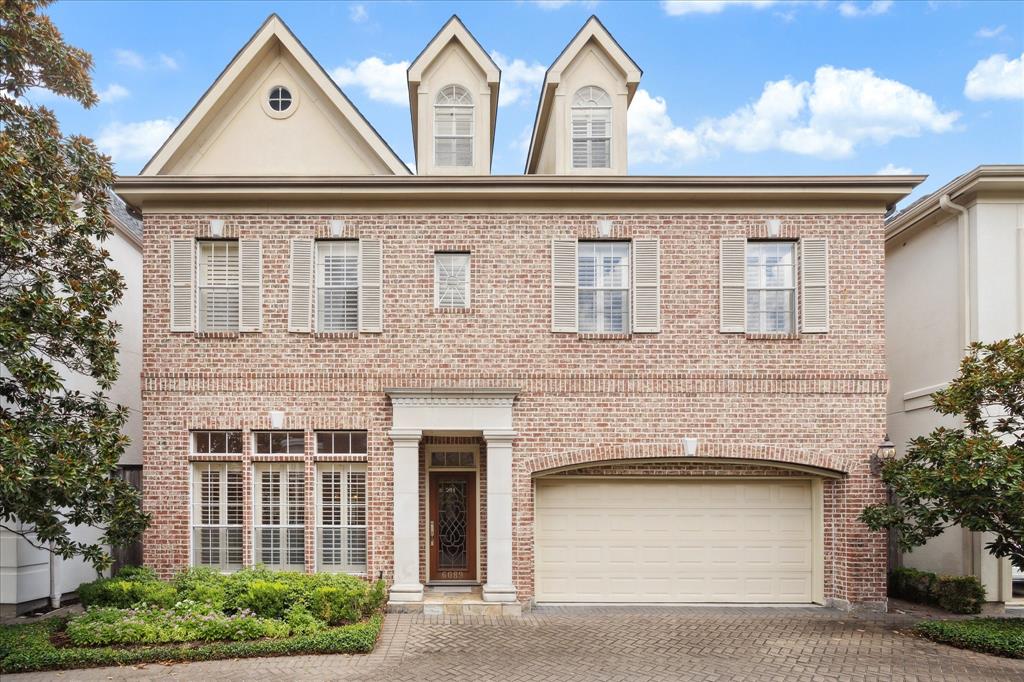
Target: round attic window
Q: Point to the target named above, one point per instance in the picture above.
(280, 98)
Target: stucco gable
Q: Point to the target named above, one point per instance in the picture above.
(232, 131)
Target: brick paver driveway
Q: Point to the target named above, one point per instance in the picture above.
(617, 643)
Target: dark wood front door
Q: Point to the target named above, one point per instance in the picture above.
(452, 528)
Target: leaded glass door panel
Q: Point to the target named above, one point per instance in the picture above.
(452, 526)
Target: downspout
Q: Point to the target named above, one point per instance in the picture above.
(55, 594)
(964, 232)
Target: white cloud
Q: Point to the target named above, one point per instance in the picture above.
(675, 8)
(654, 138)
(827, 118)
(129, 58)
(383, 82)
(112, 93)
(893, 169)
(871, 9)
(358, 13)
(997, 77)
(134, 141)
(133, 60)
(518, 79)
(986, 32)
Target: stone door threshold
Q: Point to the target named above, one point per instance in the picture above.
(442, 601)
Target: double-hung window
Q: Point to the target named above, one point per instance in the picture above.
(771, 287)
(217, 284)
(337, 285)
(341, 504)
(603, 280)
(453, 127)
(217, 503)
(591, 128)
(451, 280)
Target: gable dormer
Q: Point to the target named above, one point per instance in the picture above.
(274, 111)
(581, 121)
(453, 99)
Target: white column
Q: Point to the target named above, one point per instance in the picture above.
(499, 517)
(406, 584)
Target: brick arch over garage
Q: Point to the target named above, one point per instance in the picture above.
(734, 453)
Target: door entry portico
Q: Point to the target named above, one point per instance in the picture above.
(452, 526)
(486, 412)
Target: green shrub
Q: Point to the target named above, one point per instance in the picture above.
(958, 594)
(137, 573)
(100, 626)
(28, 647)
(1000, 636)
(301, 621)
(266, 598)
(337, 605)
(127, 592)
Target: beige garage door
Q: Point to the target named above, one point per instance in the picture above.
(629, 540)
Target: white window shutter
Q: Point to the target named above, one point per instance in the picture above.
(564, 283)
(814, 285)
(371, 299)
(732, 266)
(300, 285)
(183, 265)
(646, 287)
(250, 285)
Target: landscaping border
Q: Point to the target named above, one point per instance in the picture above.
(999, 636)
(28, 648)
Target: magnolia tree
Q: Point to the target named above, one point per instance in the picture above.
(59, 448)
(972, 476)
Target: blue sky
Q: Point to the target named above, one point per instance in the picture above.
(731, 88)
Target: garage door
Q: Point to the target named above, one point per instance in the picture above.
(629, 540)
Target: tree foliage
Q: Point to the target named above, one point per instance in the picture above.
(59, 447)
(971, 476)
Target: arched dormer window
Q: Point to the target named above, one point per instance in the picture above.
(453, 127)
(591, 128)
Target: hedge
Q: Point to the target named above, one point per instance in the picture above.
(25, 648)
(957, 594)
(999, 636)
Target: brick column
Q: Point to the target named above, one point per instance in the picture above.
(406, 585)
(499, 585)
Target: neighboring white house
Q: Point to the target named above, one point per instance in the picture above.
(25, 570)
(954, 275)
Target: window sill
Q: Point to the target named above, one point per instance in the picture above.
(217, 335)
(214, 457)
(772, 337)
(352, 457)
(452, 311)
(602, 336)
(335, 335)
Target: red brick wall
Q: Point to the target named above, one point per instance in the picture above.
(815, 399)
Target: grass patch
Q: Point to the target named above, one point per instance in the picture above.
(43, 646)
(999, 636)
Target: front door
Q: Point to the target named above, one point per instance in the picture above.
(452, 528)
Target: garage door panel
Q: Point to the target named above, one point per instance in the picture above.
(604, 541)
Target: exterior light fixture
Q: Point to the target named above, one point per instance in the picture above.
(216, 227)
(337, 227)
(885, 452)
(604, 228)
(276, 419)
(774, 227)
(690, 446)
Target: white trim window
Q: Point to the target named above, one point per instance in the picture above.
(217, 513)
(341, 517)
(451, 280)
(217, 285)
(453, 127)
(337, 285)
(279, 530)
(771, 287)
(591, 128)
(603, 279)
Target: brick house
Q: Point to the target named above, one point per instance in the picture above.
(572, 385)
